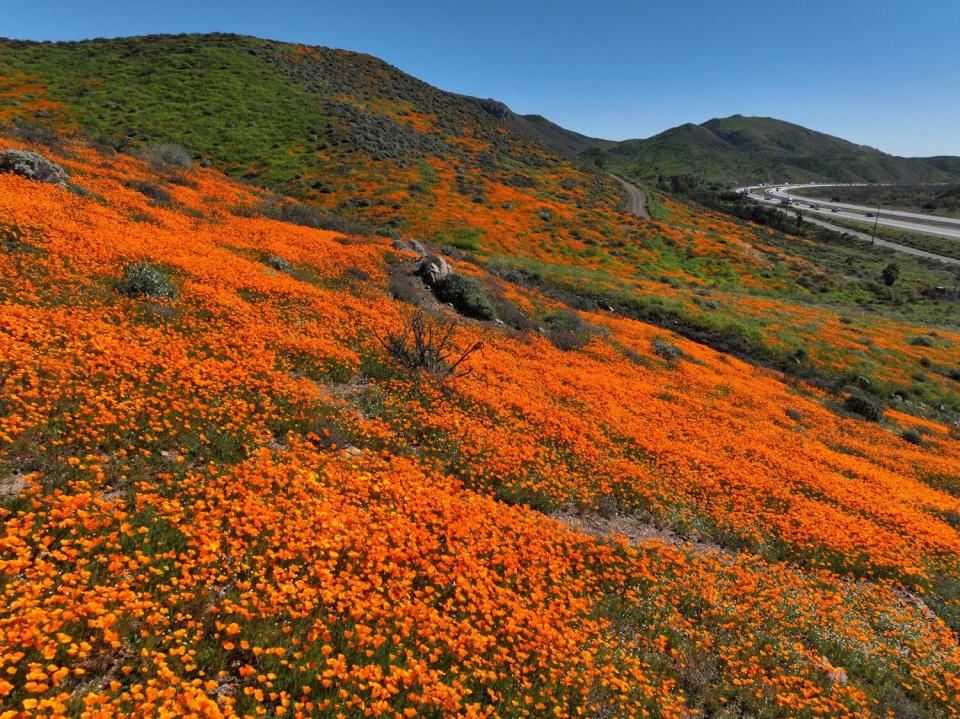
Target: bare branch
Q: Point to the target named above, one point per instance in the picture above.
(424, 346)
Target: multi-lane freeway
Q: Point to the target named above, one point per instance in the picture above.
(783, 196)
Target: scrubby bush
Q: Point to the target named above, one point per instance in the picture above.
(863, 407)
(169, 155)
(142, 279)
(35, 134)
(390, 232)
(566, 330)
(357, 274)
(666, 350)
(890, 274)
(424, 346)
(466, 295)
(921, 341)
(299, 214)
(912, 436)
(278, 263)
(511, 315)
(182, 181)
(405, 287)
(154, 192)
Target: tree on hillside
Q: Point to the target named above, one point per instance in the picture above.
(890, 274)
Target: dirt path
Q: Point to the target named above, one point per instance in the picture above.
(635, 530)
(636, 200)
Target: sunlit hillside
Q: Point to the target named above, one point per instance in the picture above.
(258, 458)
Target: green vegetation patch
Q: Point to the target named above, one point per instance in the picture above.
(214, 97)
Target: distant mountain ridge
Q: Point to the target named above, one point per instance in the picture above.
(735, 150)
(739, 150)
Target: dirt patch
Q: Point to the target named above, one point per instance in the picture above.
(345, 391)
(636, 531)
(917, 603)
(12, 485)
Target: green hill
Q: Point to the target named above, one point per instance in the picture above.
(322, 124)
(738, 150)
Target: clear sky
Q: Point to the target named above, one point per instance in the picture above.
(884, 73)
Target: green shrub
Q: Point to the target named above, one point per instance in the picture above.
(142, 279)
(566, 330)
(466, 295)
(863, 407)
(666, 350)
(890, 274)
(912, 436)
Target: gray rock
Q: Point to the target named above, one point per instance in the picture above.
(33, 167)
(432, 269)
(418, 248)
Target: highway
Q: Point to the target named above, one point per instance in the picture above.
(913, 222)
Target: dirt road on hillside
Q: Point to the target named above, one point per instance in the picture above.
(636, 200)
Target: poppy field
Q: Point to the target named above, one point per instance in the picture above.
(228, 499)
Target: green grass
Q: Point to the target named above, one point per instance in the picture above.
(655, 208)
(938, 245)
(463, 238)
(215, 99)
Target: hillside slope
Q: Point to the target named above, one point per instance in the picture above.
(341, 130)
(552, 134)
(687, 467)
(226, 495)
(739, 150)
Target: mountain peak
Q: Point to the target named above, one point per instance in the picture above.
(740, 149)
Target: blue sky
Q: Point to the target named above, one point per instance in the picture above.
(884, 73)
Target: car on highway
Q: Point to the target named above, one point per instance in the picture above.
(834, 209)
(868, 214)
